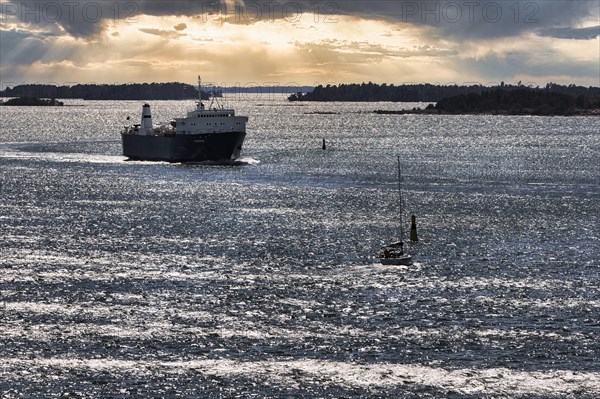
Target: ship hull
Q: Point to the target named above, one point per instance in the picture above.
(183, 147)
(405, 260)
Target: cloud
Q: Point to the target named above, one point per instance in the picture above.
(363, 52)
(387, 41)
(88, 18)
(162, 33)
(84, 18)
(180, 27)
(477, 19)
(494, 68)
(20, 48)
(459, 19)
(572, 33)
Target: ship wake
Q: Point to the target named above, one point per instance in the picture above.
(225, 162)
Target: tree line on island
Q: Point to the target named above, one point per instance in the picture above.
(553, 99)
(367, 92)
(519, 102)
(133, 91)
(517, 99)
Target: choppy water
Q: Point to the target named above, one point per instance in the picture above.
(128, 279)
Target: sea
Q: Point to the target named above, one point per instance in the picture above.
(260, 278)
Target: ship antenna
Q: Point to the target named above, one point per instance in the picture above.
(213, 99)
(199, 88)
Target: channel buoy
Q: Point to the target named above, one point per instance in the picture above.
(413, 229)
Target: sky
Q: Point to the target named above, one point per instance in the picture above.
(300, 42)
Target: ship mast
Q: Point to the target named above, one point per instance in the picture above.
(400, 197)
(199, 88)
(200, 104)
(212, 96)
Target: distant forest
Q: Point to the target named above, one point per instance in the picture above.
(420, 92)
(135, 91)
(518, 102)
(264, 89)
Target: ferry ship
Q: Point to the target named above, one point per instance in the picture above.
(211, 133)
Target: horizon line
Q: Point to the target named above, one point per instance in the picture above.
(251, 85)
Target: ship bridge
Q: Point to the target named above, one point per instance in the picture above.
(206, 120)
(212, 120)
(211, 113)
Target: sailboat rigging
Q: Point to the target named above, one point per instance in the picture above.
(393, 254)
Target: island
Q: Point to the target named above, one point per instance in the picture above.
(498, 100)
(520, 102)
(134, 91)
(32, 102)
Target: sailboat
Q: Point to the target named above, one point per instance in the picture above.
(393, 254)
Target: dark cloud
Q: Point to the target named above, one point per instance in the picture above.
(180, 27)
(169, 34)
(570, 33)
(20, 48)
(456, 18)
(84, 18)
(80, 19)
(476, 19)
(495, 68)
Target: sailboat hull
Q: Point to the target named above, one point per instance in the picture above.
(405, 260)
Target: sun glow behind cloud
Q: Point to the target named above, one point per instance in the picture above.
(304, 49)
(279, 51)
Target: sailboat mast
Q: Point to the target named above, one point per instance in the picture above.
(400, 197)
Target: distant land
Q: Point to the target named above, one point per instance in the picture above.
(139, 91)
(371, 92)
(553, 99)
(522, 101)
(504, 99)
(265, 89)
(32, 102)
(515, 102)
(134, 91)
